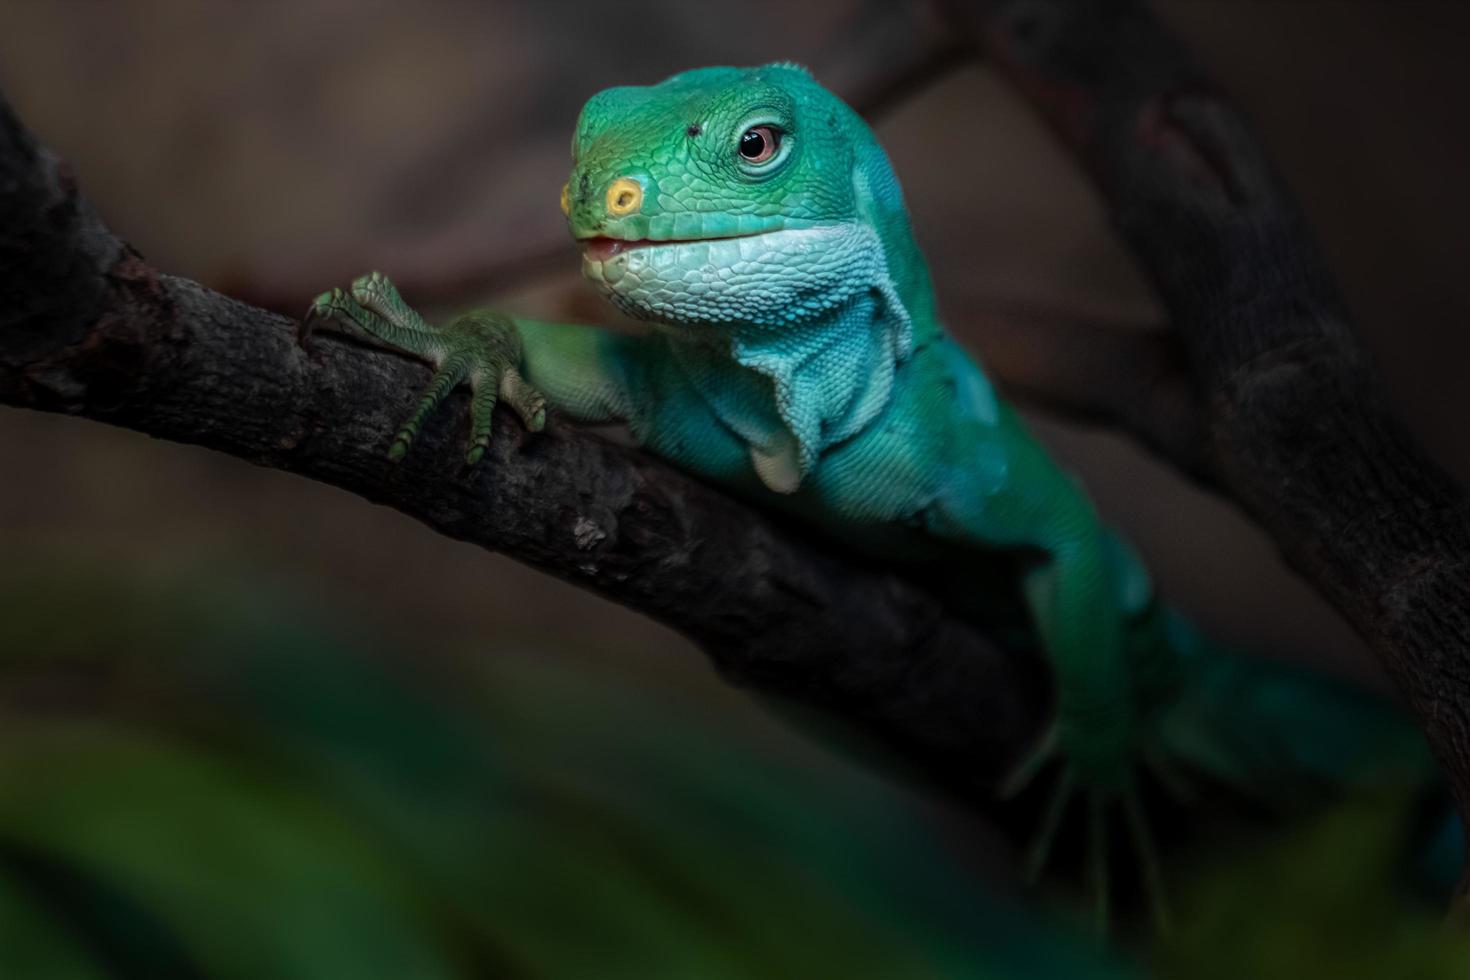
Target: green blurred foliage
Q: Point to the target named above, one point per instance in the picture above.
(206, 781)
(1326, 899)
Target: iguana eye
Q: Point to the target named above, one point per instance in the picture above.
(759, 143)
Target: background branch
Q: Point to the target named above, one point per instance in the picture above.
(1297, 424)
(88, 328)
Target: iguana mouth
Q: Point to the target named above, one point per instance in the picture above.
(601, 248)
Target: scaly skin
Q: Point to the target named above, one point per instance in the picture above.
(797, 359)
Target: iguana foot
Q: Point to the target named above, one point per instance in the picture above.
(1103, 791)
(480, 348)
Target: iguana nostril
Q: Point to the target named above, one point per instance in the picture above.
(624, 196)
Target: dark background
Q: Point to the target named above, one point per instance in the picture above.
(278, 149)
(285, 148)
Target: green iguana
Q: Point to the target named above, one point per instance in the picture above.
(797, 359)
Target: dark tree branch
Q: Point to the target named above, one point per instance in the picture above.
(891, 53)
(88, 328)
(1297, 423)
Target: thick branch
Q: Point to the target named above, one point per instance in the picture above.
(1297, 422)
(88, 328)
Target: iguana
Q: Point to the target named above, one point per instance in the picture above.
(797, 358)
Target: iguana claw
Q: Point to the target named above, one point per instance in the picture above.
(482, 349)
(1100, 798)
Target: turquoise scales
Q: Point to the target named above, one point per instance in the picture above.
(752, 217)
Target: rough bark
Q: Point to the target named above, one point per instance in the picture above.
(88, 328)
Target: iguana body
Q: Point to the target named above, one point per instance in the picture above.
(798, 359)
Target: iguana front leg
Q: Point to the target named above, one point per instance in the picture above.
(529, 364)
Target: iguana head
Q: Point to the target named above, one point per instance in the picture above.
(729, 196)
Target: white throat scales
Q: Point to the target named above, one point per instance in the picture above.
(819, 367)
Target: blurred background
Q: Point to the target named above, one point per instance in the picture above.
(254, 726)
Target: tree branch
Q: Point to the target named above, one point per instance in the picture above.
(88, 328)
(1297, 423)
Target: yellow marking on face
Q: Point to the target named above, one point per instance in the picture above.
(566, 199)
(624, 196)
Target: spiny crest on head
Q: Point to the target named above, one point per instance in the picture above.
(791, 66)
(730, 74)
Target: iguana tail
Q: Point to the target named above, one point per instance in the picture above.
(1280, 730)
(1274, 731)
(1293, 738)
(1265, 727)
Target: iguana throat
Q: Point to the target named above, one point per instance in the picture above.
(792, 337)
